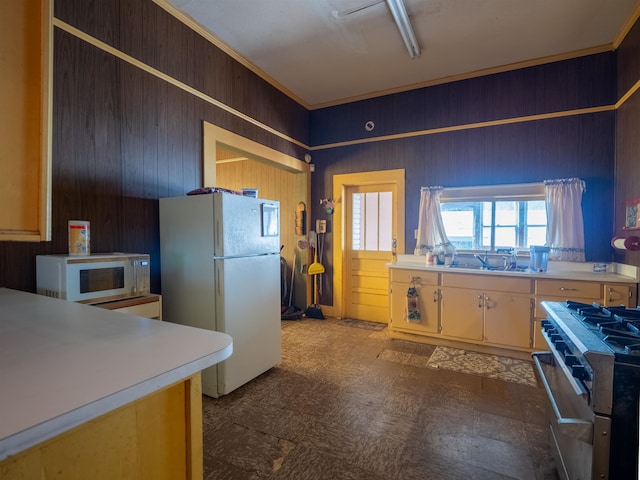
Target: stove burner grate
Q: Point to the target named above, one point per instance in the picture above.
(631, 345)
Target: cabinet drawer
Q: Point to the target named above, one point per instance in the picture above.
(569, 289)
(420, 277)
(540, 312)
(487, 282)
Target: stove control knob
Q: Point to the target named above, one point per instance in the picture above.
(579, 372)
(546, 325)
(570, 360)
(555, 338)
(560, 346)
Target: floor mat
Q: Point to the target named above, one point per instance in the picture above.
(492, 366)
(349, 322)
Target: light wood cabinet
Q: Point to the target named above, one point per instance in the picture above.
(507, 319)
(492, 317)
(462, 313)
(426, 285)
(608, 294)
(25, 137)
(149, 306)
(156, 437)
(585, 292)
(619, 294)
(491, 309)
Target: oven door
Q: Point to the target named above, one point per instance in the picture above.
(579, 453)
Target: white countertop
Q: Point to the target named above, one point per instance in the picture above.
(63, 363)
(616, 272)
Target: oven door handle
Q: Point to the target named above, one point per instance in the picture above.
(578, 428)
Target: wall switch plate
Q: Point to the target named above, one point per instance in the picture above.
(321, 226)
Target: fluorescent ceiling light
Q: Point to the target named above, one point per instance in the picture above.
(399, 13)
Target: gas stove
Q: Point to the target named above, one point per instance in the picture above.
(592, 376)
(617, 326)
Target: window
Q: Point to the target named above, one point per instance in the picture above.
(488, 218)
(372, 219)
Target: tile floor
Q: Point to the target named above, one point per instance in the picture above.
(334, 410)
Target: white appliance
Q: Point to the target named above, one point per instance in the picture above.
(220, 268)
(93, 278)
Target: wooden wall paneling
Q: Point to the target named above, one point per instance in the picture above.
(98, 18)
(628, 61)
(129, 27)
(572, 84)
(106, 183)
(517, 153)
(627, 184)
(123, 138)
(627, 181)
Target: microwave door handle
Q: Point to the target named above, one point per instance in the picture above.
(574, 427)
(135, 276)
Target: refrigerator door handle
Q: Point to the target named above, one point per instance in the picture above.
(218, 275)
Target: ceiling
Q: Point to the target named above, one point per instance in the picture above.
(320, 54)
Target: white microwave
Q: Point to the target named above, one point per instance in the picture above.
(93, 278)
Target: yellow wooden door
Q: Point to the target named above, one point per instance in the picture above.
(370, 233)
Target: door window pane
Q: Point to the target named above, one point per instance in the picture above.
(385, 222)
(372, 221)
(357, 221)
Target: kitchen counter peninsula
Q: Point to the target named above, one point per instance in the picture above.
(494, 311)
(89, 393)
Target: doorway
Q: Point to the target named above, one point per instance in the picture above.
(369, 220)
(235, 162)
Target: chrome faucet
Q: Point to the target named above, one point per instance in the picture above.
(484, 261)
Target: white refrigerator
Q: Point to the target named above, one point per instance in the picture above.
(220, 270)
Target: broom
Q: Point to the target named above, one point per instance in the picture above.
(315, 269)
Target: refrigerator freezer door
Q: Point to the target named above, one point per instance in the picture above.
(248, 309)
(245, 225)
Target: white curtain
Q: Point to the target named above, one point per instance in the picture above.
(430, 226)
(565, 227)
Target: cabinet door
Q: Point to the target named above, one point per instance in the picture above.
(462, 311)
(619, 295)
(26, 49)
(507, 319)
(428, 306)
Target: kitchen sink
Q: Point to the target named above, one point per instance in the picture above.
(472, 266)
(464, 266)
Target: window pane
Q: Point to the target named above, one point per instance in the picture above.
(536, 236)
(506, 213)
(385, 221)
(491, 223)
(487, 213)
(536, 213)
(356, 221)
(458, 220)
(505, 237)
(371, 221)
(486, 239)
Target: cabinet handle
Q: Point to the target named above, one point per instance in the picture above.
(565, 289)
(414, 279)
(435, 296)
(487, 301)
(610, 295)
(480, 298)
